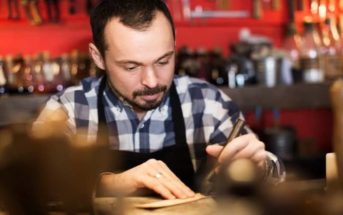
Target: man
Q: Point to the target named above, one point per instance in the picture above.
(156, 123)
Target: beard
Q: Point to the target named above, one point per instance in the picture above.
(147, 105)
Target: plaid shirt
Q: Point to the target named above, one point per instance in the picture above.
(208, 115)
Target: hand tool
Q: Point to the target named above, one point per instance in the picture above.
(208, 182)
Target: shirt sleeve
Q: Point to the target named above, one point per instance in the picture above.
(225, 113)
(53, 109)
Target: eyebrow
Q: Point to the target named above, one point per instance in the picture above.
(138, 63)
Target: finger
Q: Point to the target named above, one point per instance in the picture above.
(232, 148)
(260, 158)
(214, 150)
(173, 182)
(249, 150)
(155, 185)
(169, 179)
(174, 187)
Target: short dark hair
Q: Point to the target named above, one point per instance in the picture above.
(137, 14)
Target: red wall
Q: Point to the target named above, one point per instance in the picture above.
(74, 33)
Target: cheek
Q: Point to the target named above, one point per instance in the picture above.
(166, 75)
(123, 83)
(127, 84)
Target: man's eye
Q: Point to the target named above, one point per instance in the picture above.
(130, 68)
(163, 62)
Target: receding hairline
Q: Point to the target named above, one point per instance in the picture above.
(142, 27)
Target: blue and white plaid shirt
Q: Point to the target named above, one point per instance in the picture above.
(208, 115)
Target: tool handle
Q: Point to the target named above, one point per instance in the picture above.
(235, 132)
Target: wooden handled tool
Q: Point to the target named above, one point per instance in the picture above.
(257, 9)
(336, 93)
(222, 4)
(72, 6)
(291, 11)
(332, 6)
(235, 132)
(276, 5)
(300, 5)
(13, 9)
(53, 10)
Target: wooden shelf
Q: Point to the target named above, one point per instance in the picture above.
(19, 109)
(296, 96)
(300, 96)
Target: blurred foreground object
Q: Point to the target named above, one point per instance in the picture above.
(44, 170)
(336, 92)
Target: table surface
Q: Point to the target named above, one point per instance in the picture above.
(107, 205)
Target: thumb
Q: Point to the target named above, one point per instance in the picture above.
(214, 150)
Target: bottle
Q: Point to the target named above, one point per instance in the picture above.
(3, 79)
(16, 75)
(38, 74)
(332, 47)
(217, 68)
(28, 74)
(310, 61)
(52, 74)
(291, 45)
(65, 70)
(74, 66)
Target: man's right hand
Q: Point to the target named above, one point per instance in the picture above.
(153, 174)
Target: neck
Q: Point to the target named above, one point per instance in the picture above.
(140, 114)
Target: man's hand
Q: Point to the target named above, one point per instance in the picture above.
(245, 146)
(153, 174)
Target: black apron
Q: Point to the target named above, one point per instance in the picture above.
(176, 157)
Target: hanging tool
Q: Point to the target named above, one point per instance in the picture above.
(291, 11)
(198, 12)
(332, 6)
(72, 7)
(32, 11)
(219, 14)
(340, 24)
(13, 9)
(276, 5)
(257, 9)
(53, 10)
(300, 5)
(222, 4)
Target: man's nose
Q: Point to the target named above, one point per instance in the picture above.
(149, 78)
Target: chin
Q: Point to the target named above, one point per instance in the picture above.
(149, 106)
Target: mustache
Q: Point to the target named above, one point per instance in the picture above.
(149, 91)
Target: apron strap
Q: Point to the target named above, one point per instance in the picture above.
(177, 116)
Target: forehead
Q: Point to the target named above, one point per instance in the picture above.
(139, 44)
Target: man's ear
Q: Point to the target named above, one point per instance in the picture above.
(96, 56)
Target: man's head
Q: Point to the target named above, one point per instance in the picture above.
(134, 42)
(137, 14)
